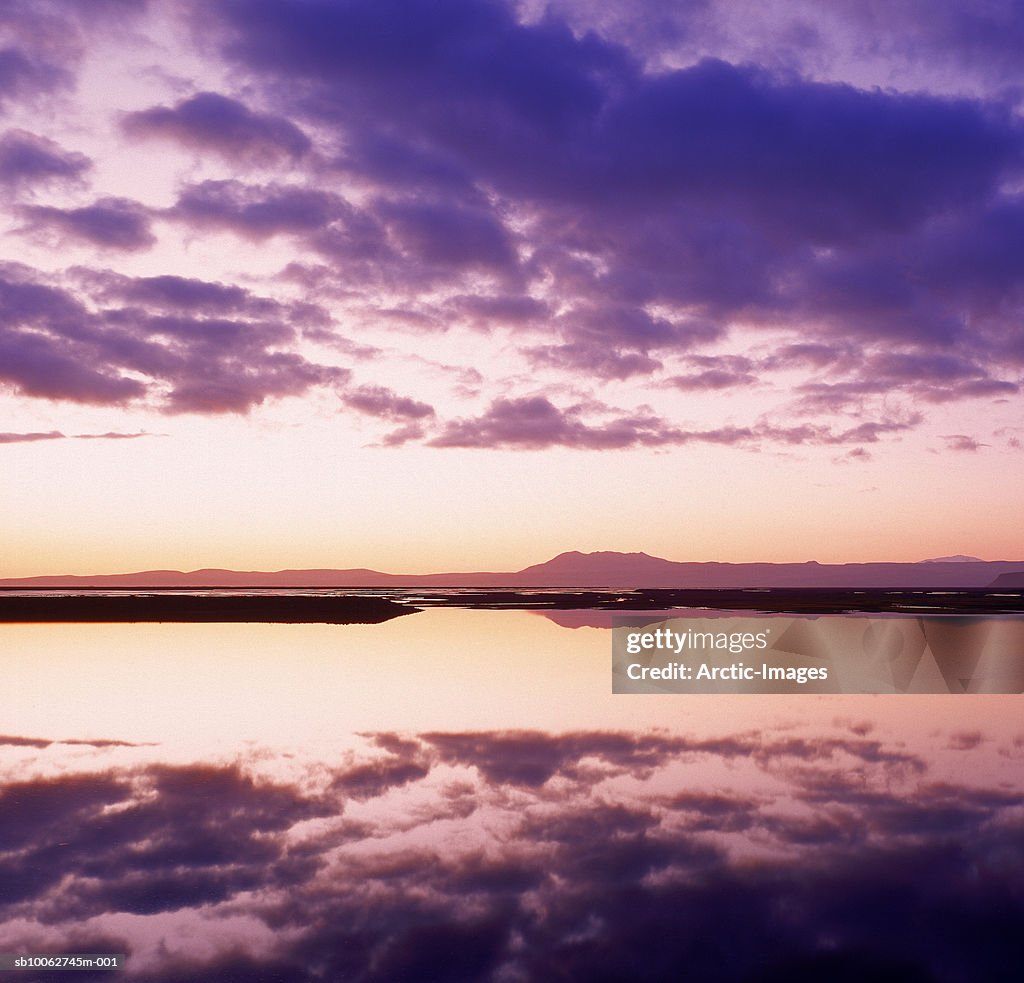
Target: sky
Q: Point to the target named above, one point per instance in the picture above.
(459, 285)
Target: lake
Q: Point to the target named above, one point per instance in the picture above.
(458, 795)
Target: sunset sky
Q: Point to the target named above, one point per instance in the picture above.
(422, 286)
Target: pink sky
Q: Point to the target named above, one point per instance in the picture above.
(468, 291)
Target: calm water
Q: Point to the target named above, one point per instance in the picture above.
(457, 795)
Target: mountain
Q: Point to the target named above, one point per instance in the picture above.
(1012, 580)
(957, 558)
(641, 570)
(580, 570)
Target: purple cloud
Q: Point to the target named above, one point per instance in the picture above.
(55, 347)
(256, 212)
(858, 454)
(44, 42)
(237, 384)
(535, 423)
(181, 293)
(659, 206)
(785, 144)
(715, 372)
(110, 435)
(612, 212)
(403, 435)
(22, 75)
(27, 159)
(594, 359)
(21, 438)
(43, 366)
(109, 223)
(382, 402)
(962, 442)
(209, 121)
(449, 235)
(485, 311)
(817, 355)
(174, 296)
(24, 438)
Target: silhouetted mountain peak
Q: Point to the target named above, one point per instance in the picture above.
(598, 560)
(576, 570)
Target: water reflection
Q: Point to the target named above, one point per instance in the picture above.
(458, 796)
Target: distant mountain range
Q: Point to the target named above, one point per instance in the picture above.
(588, 570)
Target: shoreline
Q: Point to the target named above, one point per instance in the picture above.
(154, 605)
(201, 609)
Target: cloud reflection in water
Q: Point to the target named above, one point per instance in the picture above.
(526, 855)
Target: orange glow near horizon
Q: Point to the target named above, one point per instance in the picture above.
(444, 430)
(239, 494)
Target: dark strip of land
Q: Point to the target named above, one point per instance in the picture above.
(832, 601)
(86, 606)
(776, 600)
(276, 608)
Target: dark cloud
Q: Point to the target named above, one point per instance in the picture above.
(403, 435)
(383, 158)
(182, 293)
(406, 245)
(485, 311)
(43, 42)
(659, 205)
(18, 438)
(962, 442)
(44, 366)
(925, 376)
(871, 432)
(191, 297)
(257, 212)
(535, 423)
(56, 347)
(9, 740)
(858, 454)
(574, 116)
(614, 211)
(24, 438)
(594, 360)
(86, 11)
(958, 41)
(816, 355)
(382, 402)
(236, 385)
(715, 372)
(109, 223)
(27, 159)
(449, 235)
(23, 75)
(101, 742)
(209, 121)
